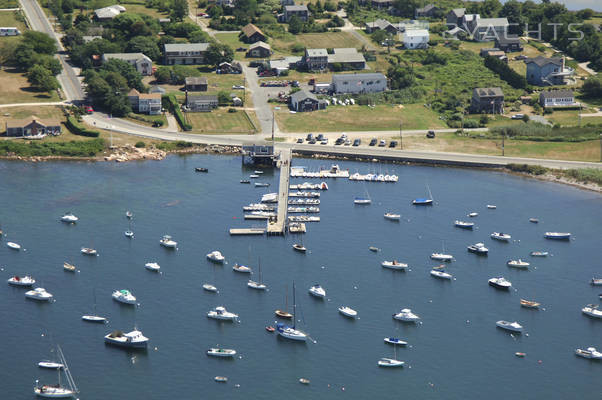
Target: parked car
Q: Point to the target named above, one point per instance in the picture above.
(294, 83)
(430, 134)
(382, 143)
(309, 137)
(238, 87)
(357, 142)
(320, 137)
(393, 143)
(324, 141)
(518, 116)
(89, 109)
(241, 49)
(312, 141)
(372, 142)
(339, 141)
(347, 142)
(300, 140)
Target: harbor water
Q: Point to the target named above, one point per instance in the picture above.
(456, 352)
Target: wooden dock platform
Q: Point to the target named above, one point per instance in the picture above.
(247, 231)
(278, 227)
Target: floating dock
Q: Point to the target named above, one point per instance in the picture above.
(247, 231)
(278, 227)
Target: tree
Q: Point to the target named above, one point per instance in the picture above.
(163, 75)
(400, 77)
(125, 69)
(512, 11)
(295, 25)
(592, 87)
(223, 98)
(48, 62)
(145, 45)
(40, 42)
(406, 8)
(490, 8)
(218, 53)
(42, 78)
(379, 36)
(198, 37)
(179, 9)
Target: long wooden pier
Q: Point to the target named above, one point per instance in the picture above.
(278, 227)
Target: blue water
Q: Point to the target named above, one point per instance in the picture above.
(456, 353)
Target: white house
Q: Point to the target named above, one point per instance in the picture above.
(416, 39)
(142, 63)
(108, 13)
(557, 98)
(359, 83)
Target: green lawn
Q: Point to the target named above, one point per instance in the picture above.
(316, 41)
(142, 9)
(16, 89)
(359, 118)
(216, 83)
(9, 4)
(46, 112)
(571, 118)
(12, 18)
(220, 121)
(231, 39)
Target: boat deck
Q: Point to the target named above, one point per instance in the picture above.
(278, 227)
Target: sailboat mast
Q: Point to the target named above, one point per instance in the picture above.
(294, 307)
(259, 262)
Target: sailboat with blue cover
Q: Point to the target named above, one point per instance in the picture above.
(424, 201)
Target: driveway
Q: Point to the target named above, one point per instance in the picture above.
(260, 101)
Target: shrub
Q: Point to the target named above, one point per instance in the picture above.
(529, 169)
(140, 144)
(232, 110)
(170, 103)
(506, 73)
(77, 129)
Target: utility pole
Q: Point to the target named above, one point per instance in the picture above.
(273, 127)
(400, 136)
(244, 90)
(601, 147)
(503, 137)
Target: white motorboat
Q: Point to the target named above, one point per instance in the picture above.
(129, 234)
(529, 303)
(478, 248)
(58, 391)
(69, 218)
(209, 287)
(501, 236)
(510, 326)
(394, 265)
(557, 235)
(596, 281)
(39, 294)
(590, 353)
(221, 379)
(299, 247)
(269, 198)
(21, 280)
(241, 268)
(216, 352)
(258, 172)
(534, 220)
(129, 214)
(441, 275)
(348, 312)
(539, 253)
(500, 283)
(152, 266)
(463, 224)
(592, 311)
(253, 176)
(133, 339)
(261, 184)
(124, 296)
(406, 315)
(13, 245)
(362, 200)
(168, 242)
(395, 341)
(216, 257)
(473, 214)
(317, 291)
(392, 216)
(491, 206)
(390, 362)
(518, 263)
(89, 251)
(256, 285)
(442, 257)
(50, 364)
(221, 313)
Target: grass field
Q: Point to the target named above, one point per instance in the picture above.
(571, 118)
(317, 41)
(9, 4)
(141, 9)
(49, 112)
(359, 118)
(449, 142)
(16, 89)
(220, 121)
(9, 18)
(231, 39)
(216, 83)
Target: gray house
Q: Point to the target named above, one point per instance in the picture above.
(32, 126)
(426, 12)
(346, 58)
(454, 17)
(359, 83)
(508, 43)
(303, 101)
(196, 84)
(542, 71)
(557, 98)
(487, 100)
(300, 11)
(487, 29)
(204, 103)
(142, 63)
(381, 24)
(315, 59)
(185, 53)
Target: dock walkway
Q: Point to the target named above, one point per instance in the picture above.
(278, 227)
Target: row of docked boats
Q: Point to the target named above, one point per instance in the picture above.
(334, 172)
(374, 177)
(309, 186)
(303, 201)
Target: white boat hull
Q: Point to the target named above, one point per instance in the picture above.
(348, 312)
(221, 353)
(54, 392)
(210, 288)
(94, 318)
(50, 365)
(14, 246)
(396, 266)
(442, 257)
(513, 327)
(396, 342)
(441, 275)
(390, 363)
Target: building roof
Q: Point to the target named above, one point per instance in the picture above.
(553, 94)
(357, 77)
(302, 95)
(295, 8)
(541, 61)
(379, 23)
(492, 21)
(195, 80)
(204, 97)
(416, 32)
(426, 8)
(126, 56)
(316, 53)
(250, 29)
(346, 55)
(489, 92)
(150, 96)
(89, 38)
(109, 12)
(178, 47)
(260, 44)
(458, 12)
(133, 92)
(505, 39)
(20, 123)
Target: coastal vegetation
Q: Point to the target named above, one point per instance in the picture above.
(73, 148)
(582, 175)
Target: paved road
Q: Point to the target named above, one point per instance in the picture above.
(260, 101)
(68, 77)
(118, 125)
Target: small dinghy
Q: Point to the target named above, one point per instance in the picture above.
(534, 220)
(304, 381)
(221, 379)
(129, 214)
(13, 245)
(201, 169)
(270, 329)
(89, 251)
(473, 214)
(519, 354)
(299, 247)
(152, 266)
(216, 352)
(245, 181)
(529, 304)
(374, 249)
(68, 267)
(129, 234)
(491, 206)
(539, 254)
(395, 341)
(210, 288)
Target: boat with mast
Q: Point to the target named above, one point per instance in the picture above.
(284, 313)
(363, 200)
(94, 317)
(257, 285)
(299, 246)
(442, 256)
(424, 201)
(391, 362)
(129, 233)
(58, 391)
(290, 332)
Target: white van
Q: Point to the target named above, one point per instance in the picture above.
(9, 31)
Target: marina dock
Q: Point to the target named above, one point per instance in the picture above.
(278, 227)
(247, 231)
